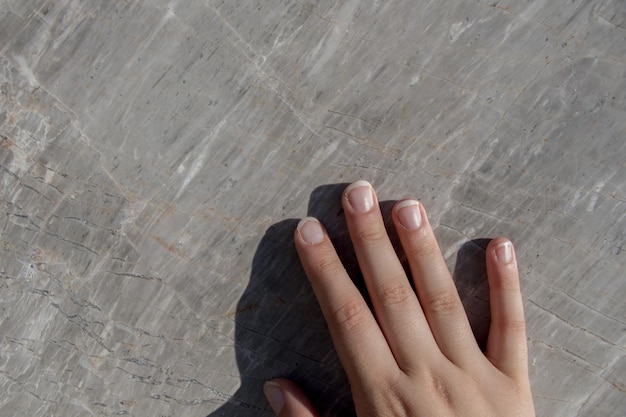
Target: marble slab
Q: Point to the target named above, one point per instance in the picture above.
(155, 155)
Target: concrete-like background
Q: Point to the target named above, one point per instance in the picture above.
(154, 155)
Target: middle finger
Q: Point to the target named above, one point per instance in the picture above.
(395, 304)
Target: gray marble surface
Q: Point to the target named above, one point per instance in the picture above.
(154, 156)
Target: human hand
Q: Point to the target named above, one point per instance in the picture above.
(416, 355)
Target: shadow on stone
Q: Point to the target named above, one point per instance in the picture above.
(280, 330)
(470, 277)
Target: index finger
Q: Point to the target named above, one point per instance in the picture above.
(359, 341)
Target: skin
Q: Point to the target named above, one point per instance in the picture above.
(415, 354)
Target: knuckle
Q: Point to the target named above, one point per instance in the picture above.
(394, 403)
(515, 326)
(508, 283)
(371, 233)
(327, 267)
(387, 395)
(441, 389)
(444, 303)
(351, 314)
(395, 292)
(425, 248)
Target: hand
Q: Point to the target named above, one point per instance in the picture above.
(416, 355)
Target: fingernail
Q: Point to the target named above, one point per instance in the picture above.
(409, 215)
(504, 252)
(311, 230)
(274, 395)
(360, 196)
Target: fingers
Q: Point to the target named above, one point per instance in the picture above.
(421, 338)
(395, 303)
(357, 337)
(436, 290)
(287, 399)
(506, 345)
(409, 331)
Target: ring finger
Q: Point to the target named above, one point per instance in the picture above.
(435, 288)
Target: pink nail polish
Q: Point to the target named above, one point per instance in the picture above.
(409, 215)
(360, 196)
(311, 230)
(504, 252)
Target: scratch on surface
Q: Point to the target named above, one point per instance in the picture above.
(75, 244)
(87, 223)
(83, 324)
(312, 11)
(262, 72)
(27, 72)
(281, 344)
(607, 21)
(447, 226)
(507, 10)
(486, 213)
(570, 353)
(575, 326)
(589, 307)
(544, 397)
(140, 276)
(366, 141)
(448, 80)
(517, 97)
(375, 124)
(385, 170)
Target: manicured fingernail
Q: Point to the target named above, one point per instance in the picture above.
(504, 252)
(360, 196)
(409, 215)
(311, 230)
(274, 395)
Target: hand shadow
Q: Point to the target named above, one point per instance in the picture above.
(470, 277)
(279, 327)
(280, 330)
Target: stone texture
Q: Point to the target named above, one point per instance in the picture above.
(154, 156)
